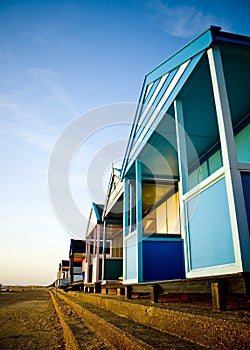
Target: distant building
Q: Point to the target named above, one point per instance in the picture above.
(77, 257)
(104, 236)
(62, 274)
(94, 245)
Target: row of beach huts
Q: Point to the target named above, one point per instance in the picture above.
(177, 213)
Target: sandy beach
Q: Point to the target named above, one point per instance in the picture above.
(28, 320)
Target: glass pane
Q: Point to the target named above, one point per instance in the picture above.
(242, 144)
(160, 208)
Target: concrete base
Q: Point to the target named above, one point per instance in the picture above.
(206, 328)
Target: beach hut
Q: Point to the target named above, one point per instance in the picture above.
(186, 171)
(112, 217)
(63, 274)
(94, 245)
(77, 257)
(104, 237)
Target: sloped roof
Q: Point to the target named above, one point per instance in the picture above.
(98, 208)
(162, 85)
(113, 187)
(95, 216)
(77, 246)
(65, 263)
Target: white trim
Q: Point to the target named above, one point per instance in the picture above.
(131, 281)
(214, 271)
(182, 157)
(130, 235)
(114, 196)
(157, 109)
(204, 184)
(153, 97)
(104, 246)
(126, 244)
(98, 255)
(148, 88)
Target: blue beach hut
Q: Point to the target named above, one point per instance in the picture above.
(186, 171)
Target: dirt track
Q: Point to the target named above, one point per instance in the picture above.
(28, 321)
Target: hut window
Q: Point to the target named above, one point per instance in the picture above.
(161, 208)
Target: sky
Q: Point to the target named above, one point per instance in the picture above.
(60, 61)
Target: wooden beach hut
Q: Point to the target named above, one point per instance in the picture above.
(77, 257)
(186, 171)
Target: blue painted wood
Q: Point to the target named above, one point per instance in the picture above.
(209, 228)
(199, 44)
(154, 105)
(98, 212)
(163, 260)
(168, 103)
(151, 92)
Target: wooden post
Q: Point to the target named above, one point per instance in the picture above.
(218, 296)
(128, 292)
(154, 294)
(104, 290)
(104, 249)
(97, 287)
(120, 291)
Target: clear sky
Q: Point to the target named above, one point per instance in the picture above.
(58, 60)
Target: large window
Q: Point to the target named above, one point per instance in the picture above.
(160, 208)
(117, 244)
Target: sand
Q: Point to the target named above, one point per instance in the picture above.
(28, 320)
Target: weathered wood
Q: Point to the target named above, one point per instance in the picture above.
(128, 292)
(239, 283)
(218, 296)
(155, 291)
(120, 291)
(97, 287)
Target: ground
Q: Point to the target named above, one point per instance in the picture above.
(28, 320)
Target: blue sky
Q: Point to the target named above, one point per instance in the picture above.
(58, 60)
